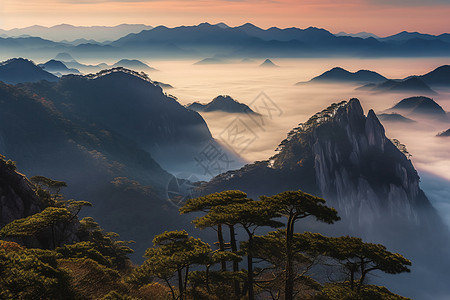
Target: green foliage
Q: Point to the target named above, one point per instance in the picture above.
(359, 258)
(299, 205)
(173, 252)
(84, 250)
(247, 214)
(53, 186)
(32, 274)
(369, 292)
(32, 225)
(107, 244)
(205, 203)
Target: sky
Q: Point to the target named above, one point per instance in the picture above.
(382, 17)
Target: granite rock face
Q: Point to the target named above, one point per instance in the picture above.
(17, 196)
(345, 157)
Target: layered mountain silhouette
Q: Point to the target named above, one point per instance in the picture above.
(405, 36)
(420, 106)
(64, 57)
(394, 117)
(133, 64)
(251, 41)
(57, 68)
(19, 70)
(69, 32)
(411, 85)
(211, 61)
(222, 103)
(340, 75)
(439, 77)
(105, 135)
(207, 40)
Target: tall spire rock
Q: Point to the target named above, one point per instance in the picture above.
(345, 157)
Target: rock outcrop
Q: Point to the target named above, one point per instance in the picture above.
(345, 157)
(17, 196)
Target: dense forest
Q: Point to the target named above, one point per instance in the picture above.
(260, 253)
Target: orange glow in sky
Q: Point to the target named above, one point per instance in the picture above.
(381, 17)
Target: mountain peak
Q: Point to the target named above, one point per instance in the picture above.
(222, 103)
(20, 70)
(268, 63)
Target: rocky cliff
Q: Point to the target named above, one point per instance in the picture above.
(345, 157)
(17, 197)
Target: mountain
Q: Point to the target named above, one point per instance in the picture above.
(444, 133)
(17, 197)
(344, 156)
(69, 32)
(405, 36)
(57, 67)
(211, 61)
(222, 103)
(248, 40)
(341, 155)
(340, 75)
(438, 77)
(420, 106)
(86, 68)
(394, 117)
(133, 64)
(412, 85)
(64, 56)
(310, 34)
(156, 122)
(19, 70)
(101, 133)
(363, 35)
(268, 64)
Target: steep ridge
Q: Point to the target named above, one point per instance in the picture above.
(345, 157)
(135, 107)
(19, 70)
(125, 184)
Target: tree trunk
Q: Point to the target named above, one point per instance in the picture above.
(185, 282)
(251, 294)
(221, 245)
(207, 279)
(289, 282)
(237, 288)
(180, 283)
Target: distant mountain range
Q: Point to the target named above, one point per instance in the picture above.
(133, 64)
(340, 75)
(394, 117)
(413, 84)
(222, 41)
(58, 68)
(420, 106)
(115, 132)
(19, 70)
(375, 82)
(76, 34)
(222, 103)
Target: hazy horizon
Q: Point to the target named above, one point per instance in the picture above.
(379, 17)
